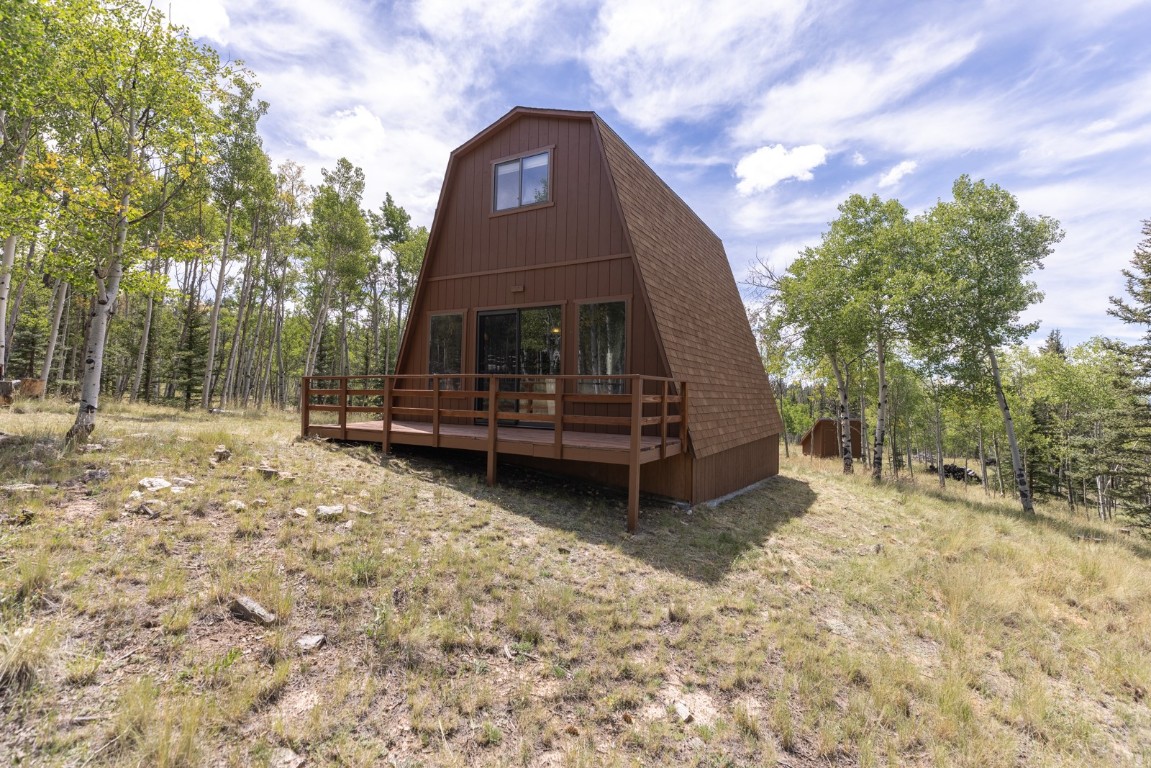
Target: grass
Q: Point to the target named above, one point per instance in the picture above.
(520, 625)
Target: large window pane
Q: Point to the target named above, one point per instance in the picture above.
(602, 340)
(507, 185)
(535, 179)
(522, 182)
(446, 346)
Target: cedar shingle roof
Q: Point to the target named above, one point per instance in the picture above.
(699, 315)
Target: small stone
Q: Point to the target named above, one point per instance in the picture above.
(300, 512)
(177, 489)
(237, 505)
(282, 757)
(347, 526)
(135, 495)
(221, 453)
(183, 482)
(95, 475)
(366, 512)
(91, 448)
(150, 509)
(329, 512)
(260, 502)
(247, 609)
(310, 642)
(472, 503)
(682, 713)
(154, 484)
(268, 472)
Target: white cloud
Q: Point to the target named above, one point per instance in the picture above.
(893, 176)
(203, 18)
(657, 62)
(767, 166)
(822, 104)
(858, 160)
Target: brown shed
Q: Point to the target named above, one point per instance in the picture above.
(822, 440)
(565, 276)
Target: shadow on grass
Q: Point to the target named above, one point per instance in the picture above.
(1072, 529)
(702, 544)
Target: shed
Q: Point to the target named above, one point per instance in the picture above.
(822, 440)
(566, 278)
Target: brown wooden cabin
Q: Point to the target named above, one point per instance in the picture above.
(822, 440)
(566, 278)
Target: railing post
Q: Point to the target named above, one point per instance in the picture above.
(683, 416)
(343, 407)
(436, 412)
(304, 385)
(559, 426)
(493, 409)
(633, 456)
(387, 437)
(663, 421)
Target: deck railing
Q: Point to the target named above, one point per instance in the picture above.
(621, 405)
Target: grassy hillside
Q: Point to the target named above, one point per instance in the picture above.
(819, 620)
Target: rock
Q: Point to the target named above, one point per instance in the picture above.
(260, 502)
(95, 475)
(300, 512)
(310, 642)
(347, 526)
(150, 509)
(247, 609)
(221, 453)
(135, 495)
(90, 448)
(329, 512)
(19, 487)
(236, 505)
(183, 482)
(282, 757)
(268, 472)
(154, 484)
(682, 713)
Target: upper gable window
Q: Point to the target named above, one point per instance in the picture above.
(523, 181)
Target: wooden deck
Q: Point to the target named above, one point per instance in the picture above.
(639, 419)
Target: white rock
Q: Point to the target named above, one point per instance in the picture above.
(183, 482)
(260, 502)
(154, 484)
(329, 512)
(300, 512)
(282, 757)
(683, 713)
(237, 505)
(310, 642)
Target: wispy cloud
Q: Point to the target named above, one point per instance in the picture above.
(893, 176)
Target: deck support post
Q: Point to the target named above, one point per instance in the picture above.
(633, 455)
(304, 406)
(663, 420)
(343, 407)
(493, 409)
(386, 440)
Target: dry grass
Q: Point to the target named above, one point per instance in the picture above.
(520, 625)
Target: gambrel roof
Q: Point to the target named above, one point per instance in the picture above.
(682, 269)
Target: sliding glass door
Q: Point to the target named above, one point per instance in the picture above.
(520, 342)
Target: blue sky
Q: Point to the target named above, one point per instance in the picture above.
(762, 115)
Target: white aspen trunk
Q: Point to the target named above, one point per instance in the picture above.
(844, 418)
(1013, 445)
(863, 443)
(939, 444)
(59, 300)
(998, 467)
(318, 330)
(213, 334)
(6, 263)
(229, 392)
(983, 463)
(880, 411)
(142, 354)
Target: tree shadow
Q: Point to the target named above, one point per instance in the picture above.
(702, 543)
(1075, 530)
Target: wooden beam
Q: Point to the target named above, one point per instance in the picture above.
(304, 406)
(493, 421)
(663, 423)
(633, 457)
(559, 419)
(343, 396)
(387, 438)
(436, 412)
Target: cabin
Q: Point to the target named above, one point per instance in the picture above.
(573, 314)
(822, 440)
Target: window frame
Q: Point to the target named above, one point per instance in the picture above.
(520, 157)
